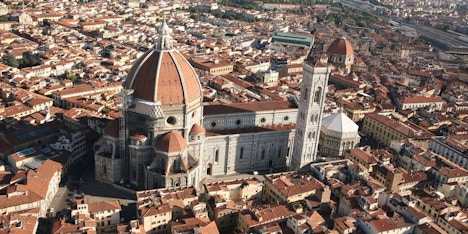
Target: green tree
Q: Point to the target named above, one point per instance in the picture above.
(46, 23)
(361, 24)
(195, 17)
(10, 60)
(5, 18)
(73, 78)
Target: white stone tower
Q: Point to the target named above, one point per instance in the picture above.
(309, 116)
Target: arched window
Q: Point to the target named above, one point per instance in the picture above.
(241, 153)
(306, 93)
(318, 95)
(208, 169)
(216, 155)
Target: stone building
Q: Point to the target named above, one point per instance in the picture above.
(338, 133)
(341, 54)
(168, 138)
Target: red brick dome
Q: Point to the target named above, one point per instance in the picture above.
(341, 46)
(171, 142)
(163, 74)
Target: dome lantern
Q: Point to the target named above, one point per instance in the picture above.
(164, 41)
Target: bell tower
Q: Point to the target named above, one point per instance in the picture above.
(311, 103)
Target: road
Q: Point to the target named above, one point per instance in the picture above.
(94, 191)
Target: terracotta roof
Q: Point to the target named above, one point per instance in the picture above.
(382, 225)
(156, 210)
(341, 46)
(104, 206)
(197, 129)
(459, 225)
(112, 129)
(247, 107)
(164, 76)
(365, 156)
(171, 142)
(60, 226)
(211, 228)
(291, 185)
(421, 99)
(431, 227)
(278, 127)
(411, 177)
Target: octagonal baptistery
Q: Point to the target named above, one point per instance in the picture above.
(338, 133)
(166, 87)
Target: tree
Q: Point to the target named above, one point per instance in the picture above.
(73, 78)
(46, 23)
(10, 60)
(195, 17)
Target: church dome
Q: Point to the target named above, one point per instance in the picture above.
(163, 74)
(197, 129)
(339, 122)
(171, 142)
(341, 46)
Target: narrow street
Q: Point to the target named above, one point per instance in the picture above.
(80, 180)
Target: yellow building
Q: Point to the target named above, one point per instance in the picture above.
(248, 188)
(7, 25)
(292, 186)
(158, 207)
(156, 219)
(213, 66)
(227, 198)
(357, 111)
(98, 25)
(251, 218)
(365, 158)
(49, 16)
(386, 129)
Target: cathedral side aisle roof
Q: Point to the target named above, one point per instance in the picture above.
(217, 109)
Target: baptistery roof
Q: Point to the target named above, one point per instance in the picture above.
(339, 122)
(163, 75)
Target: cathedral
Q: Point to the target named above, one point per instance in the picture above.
(167, 137)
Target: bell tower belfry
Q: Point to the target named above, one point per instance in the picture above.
(311, 103)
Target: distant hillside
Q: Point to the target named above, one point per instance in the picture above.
(246, 4)
(301, 2)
